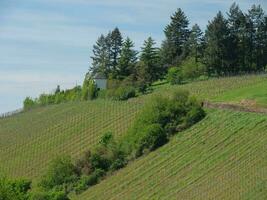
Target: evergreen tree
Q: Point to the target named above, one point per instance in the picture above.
(237, 44)
(217, 45)
(255, 22)
(195, 43)
(176, 33)
(101, 62)
(128, 58)
(149, 58)
(116, 42)
(264, 52)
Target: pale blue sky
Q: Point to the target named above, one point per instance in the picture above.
(44, 43)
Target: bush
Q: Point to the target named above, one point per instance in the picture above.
(83, 165)
(109, 155)
(51, 195)
(28, 103)
(203, 78)
(87, 181)
(100, 160)
(122, 93)
(174, 76)
(92, 90)
(162, 117)
(190, 69)
(60, 173)
(151, 137)
(14, 189)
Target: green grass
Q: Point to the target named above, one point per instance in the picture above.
(191, 165)
(222, 157)
(255, 92)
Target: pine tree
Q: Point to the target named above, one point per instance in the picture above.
(101, 62)
(217, 45)
(128, 58)
(264, 29)
(237, 44)
(255, 20)
(149, 59)
(176, 33)
(195, 43)
(116, 42)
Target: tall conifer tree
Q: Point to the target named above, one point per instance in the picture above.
(116, 42)
(217, 45)
(176, 33)
(127, 60)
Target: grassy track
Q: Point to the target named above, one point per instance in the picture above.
(223, 157)
(225, 153)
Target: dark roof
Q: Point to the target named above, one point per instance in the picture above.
(99, 76)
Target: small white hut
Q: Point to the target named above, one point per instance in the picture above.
(100, 81)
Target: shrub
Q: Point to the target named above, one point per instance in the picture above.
(151, 137)
(195, 114)
(50, 195)
(203, 78)
(92, 90)
(174, 76)
(14, 189)
(113, 84)
(122, 93)
(109, 155)
(59, 98)
(100, 160)
(190, 69)
(61, 172)
(89, 89)
(87, 181)
(162, 117)
(28, 103)
(83, 165)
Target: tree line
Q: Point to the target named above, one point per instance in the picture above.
(231, 44)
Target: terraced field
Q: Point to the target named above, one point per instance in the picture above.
(222, 157)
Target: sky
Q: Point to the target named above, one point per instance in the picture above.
(45, 43)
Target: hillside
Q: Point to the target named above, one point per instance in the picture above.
(30, 140)
(220, 158)
(222, 155)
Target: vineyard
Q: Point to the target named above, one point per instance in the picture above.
(30, 140)
(221, 157)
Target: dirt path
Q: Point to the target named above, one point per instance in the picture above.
(236, 107)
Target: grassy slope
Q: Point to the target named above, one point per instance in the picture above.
(255, 92)
(30, 140)
(222, 157)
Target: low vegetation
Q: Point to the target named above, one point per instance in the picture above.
(155, 125)
(14, 189)
(220, 157)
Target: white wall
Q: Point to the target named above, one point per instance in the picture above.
(101, 83)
